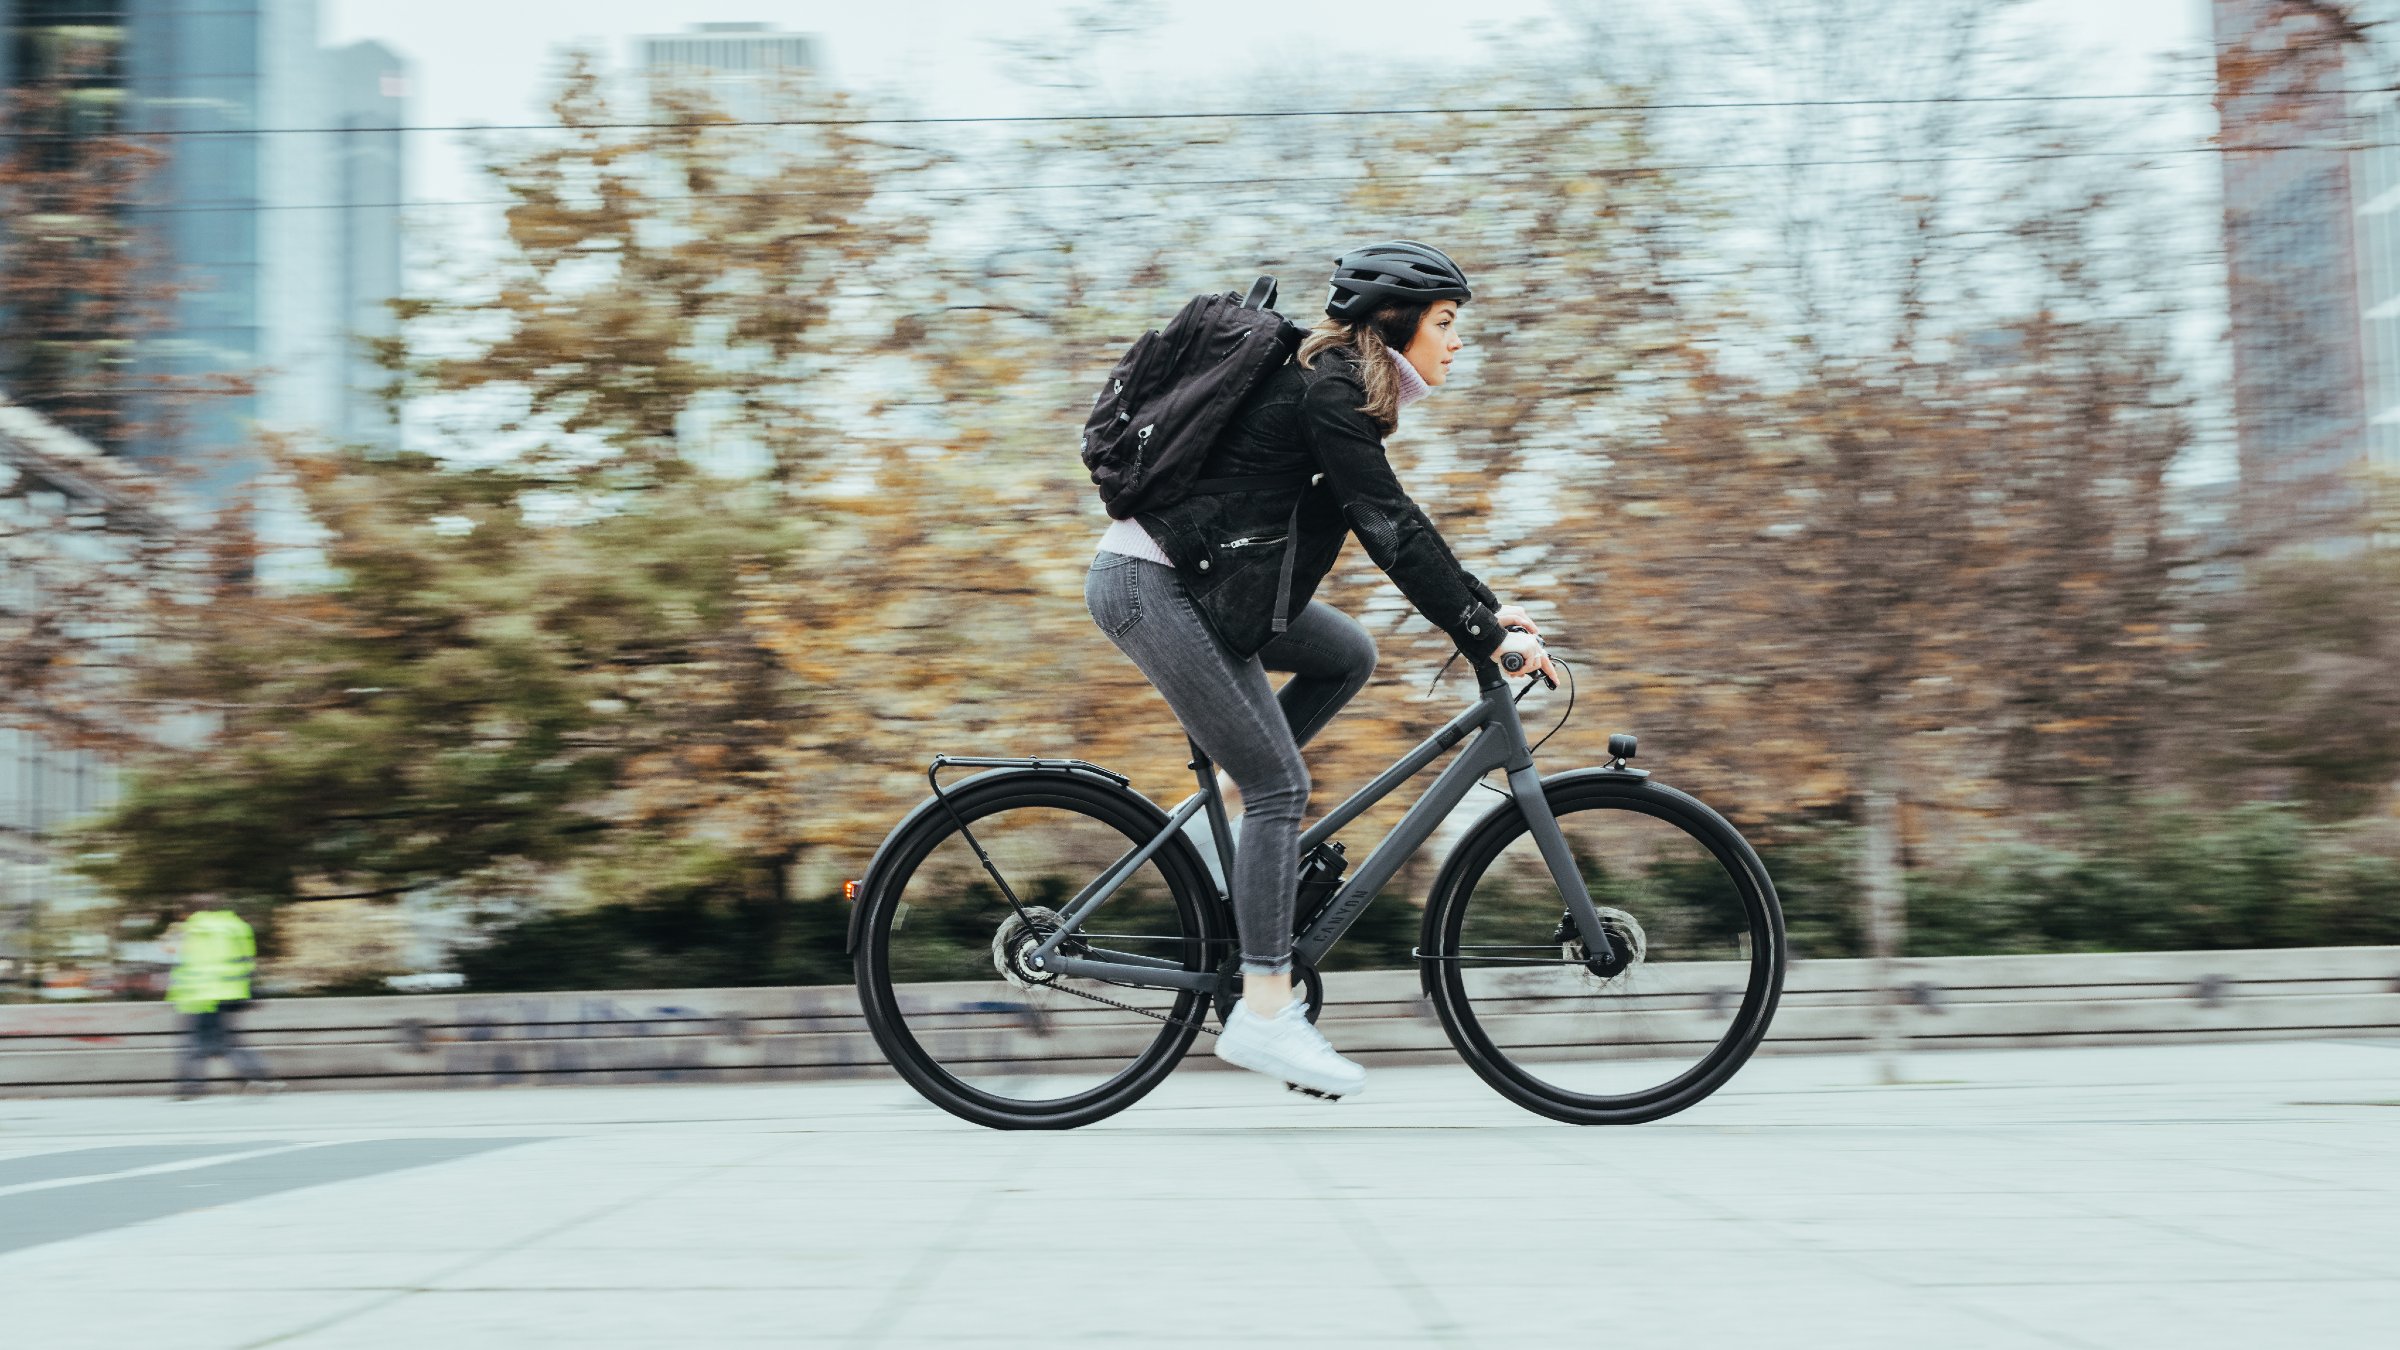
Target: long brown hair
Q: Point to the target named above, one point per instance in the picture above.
(1384, 334)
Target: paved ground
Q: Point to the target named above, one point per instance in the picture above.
(2237, 1195)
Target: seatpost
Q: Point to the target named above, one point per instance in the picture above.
(1218, 827)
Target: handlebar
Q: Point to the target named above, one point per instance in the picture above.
(1514, 662)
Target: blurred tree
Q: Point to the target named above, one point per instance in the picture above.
(1012, 338)
(1915, 514)
(75, 292)
(541, 649)
(2293, 691)
(747, 482)
(2275, 70)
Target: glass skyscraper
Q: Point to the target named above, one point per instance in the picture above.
(277, 209)
(2311, 132)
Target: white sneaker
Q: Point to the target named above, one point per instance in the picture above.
(1289, 1047)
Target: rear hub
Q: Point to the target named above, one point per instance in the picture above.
(1012, 946)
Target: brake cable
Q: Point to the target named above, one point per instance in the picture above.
(1520, 698)
(1562, 717)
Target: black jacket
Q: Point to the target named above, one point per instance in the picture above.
(1229, 548)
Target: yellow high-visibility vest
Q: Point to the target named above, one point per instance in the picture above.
(213, 965)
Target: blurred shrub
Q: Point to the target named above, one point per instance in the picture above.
(2150, 877)
(2146, 877)
(1815, 870)
(693, 940)
(2293, 695)
(2158, 878)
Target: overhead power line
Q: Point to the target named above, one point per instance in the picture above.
(1318, 179)
(1253, 114)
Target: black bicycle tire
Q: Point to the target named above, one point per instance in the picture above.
(1186, 880)
(1445, 980)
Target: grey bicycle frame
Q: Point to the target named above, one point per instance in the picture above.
(1500, 745)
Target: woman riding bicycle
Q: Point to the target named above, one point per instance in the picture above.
(1209, 594)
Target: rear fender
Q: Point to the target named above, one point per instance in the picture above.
(878, 865)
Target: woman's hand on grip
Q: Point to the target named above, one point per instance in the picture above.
(1532, 656)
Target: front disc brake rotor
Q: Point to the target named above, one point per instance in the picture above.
(1624, 933)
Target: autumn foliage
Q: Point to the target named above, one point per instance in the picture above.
(743, 481)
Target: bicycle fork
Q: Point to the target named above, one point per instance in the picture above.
(1525, 785)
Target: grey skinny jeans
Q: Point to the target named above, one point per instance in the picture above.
(1252, 732)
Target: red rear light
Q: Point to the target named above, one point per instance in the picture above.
(850, 892)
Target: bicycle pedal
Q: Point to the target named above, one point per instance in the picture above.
(1312, 1092)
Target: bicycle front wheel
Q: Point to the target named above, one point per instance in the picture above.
(940, 960)
(1683, 896)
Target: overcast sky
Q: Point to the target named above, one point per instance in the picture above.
(492, 60)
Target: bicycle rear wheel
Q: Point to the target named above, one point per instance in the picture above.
(1678, 888)
(939, 959)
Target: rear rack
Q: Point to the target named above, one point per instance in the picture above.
(941, 762)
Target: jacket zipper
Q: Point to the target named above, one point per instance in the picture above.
(1259, 541)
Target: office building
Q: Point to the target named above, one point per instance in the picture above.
(367, 95)
(288, 240)
(744, 67)
(2312, 239)
(289, 243)
(70, 515)
(750, 72)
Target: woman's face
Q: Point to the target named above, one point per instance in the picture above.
(1435, 343)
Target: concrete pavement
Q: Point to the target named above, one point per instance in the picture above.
(2187, 1196)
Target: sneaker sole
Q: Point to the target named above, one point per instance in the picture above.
(1331, 1094)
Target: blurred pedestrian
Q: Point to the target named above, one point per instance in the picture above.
(215, 951)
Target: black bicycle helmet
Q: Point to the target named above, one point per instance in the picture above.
(1397, 269)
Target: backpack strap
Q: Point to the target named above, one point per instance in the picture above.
(1262, 294)
(1270, 482)
(1283, 579)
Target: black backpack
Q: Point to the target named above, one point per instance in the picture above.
(1173, 392)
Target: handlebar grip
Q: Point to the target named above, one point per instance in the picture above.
(1512, 662)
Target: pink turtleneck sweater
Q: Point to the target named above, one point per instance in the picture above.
(1129, 538)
